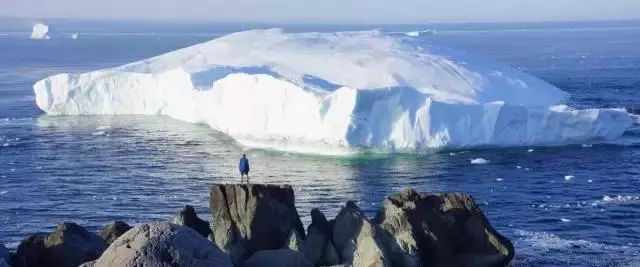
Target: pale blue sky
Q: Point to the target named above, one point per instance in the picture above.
(327, 11)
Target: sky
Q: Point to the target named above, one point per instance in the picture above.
(326, 11)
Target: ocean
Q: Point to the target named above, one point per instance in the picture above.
(573, 205)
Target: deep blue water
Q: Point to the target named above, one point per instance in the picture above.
(92, 169)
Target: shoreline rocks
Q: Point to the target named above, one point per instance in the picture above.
(254, 217)
(113, 230)
(258, 225)
(69, 245)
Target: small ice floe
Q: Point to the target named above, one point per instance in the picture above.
(518, 167)
(590, 181)
(5, 144)
(587, 145)
(479, 161)
(530, 150)
(40, 31)
(75, 36)
(103, 127)
(564, 220)
(12, 169)
(98, 133)
(568, 177)
(499, 179)
(452, 154)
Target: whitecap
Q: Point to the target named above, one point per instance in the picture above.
(103, 127)
(518, 167)
(564, 220)
(530, 150)
(98, 133)
(4, 192)
(568, 177)
(499, 179)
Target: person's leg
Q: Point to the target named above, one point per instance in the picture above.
(247, 177)
(241, 177)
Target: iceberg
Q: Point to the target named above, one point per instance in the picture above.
(40, 32)
(75, 36)
(336, 93)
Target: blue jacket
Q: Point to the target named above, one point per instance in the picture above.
(244, 165)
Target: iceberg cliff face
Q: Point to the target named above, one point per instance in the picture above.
(334, 93)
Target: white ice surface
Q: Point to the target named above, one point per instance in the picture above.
(40, 31)
(336, 93)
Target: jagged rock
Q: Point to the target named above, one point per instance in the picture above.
(448, 230)
(188, 217)
(277, 258)
(162, 244)
(319, 247)
(113, 230)
(357, 240)
(249, 218)
(68, 245)
(399, 238)
(5, 256)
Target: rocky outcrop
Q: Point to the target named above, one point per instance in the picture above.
(358, 241)
(69, 245)
(319, 246)
(162, 244)
(250, 218)
(277, 258)
(188, 217)
(441, 230)
(113, 230)
(258, 225)
(5, 256)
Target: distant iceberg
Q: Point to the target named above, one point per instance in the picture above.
(336, 93)
(40, 32)
(420, 33)
(75, 36)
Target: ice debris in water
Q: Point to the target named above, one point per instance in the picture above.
(518, 167)
(564, 220)
(479, 161)
(499, 179)
(98, 133)
(380, 91)
(590, 181)
(75, 36)
(568, 177)
(587, 145)
(40, 31)
(530, 150)
(103, 127)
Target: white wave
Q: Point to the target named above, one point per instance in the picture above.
(543, 241)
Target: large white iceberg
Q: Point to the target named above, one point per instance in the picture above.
(336, 93)
(40, 31)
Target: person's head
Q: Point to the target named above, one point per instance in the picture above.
(244, 155)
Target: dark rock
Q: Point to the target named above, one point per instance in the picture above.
(277, 258)
(442, 230)
(188, 217)
(319, 247)
(162, 244)
(113, 230)
(249, 218)
(68, 245)
(357, 240)
(5, 256)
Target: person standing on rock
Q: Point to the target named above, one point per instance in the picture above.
(244, 168)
